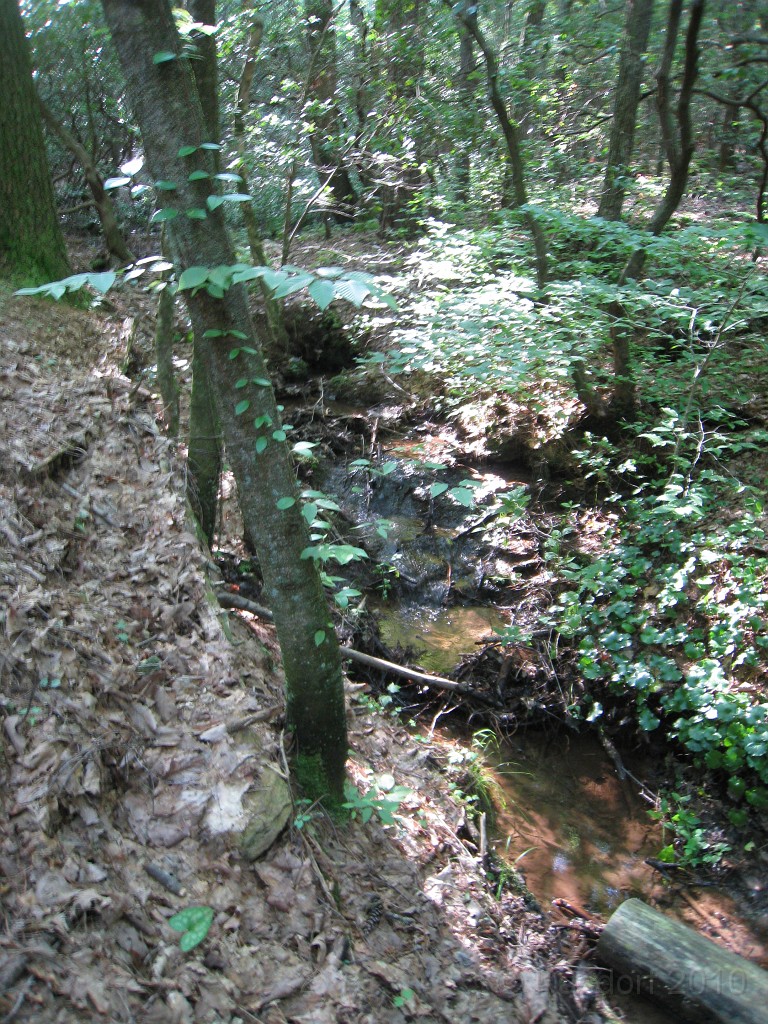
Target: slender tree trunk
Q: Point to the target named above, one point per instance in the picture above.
(31, 242)
(321, 39)
(166, 107)
(204, 458)
(166, 376)
(676, 126)
(467, 86)
(110, 229)
(272, 310)
(511, 135)
(637, 29)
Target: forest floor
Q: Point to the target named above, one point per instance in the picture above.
(142, 732)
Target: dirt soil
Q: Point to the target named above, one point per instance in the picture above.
(142, 737)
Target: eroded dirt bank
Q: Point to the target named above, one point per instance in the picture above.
(138, 740)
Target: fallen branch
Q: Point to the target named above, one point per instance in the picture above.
(227, 600)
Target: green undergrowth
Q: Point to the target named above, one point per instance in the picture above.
(664, 608)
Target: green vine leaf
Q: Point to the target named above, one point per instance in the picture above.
(195, 923)
(285, 503)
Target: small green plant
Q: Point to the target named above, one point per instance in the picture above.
(691, 846)
(382, 799)
(194, 923)
(404, 997)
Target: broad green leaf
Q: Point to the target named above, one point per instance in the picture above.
(438, 488)
(463, 495)
(322, 292)
(198, 176)
(236, 197)
(162, 215)
(187, 150)
(193, 277)
(214, 202)
(241, 383)
(310, 511)
(166, 186)
(279, 435)
(210, 145)
(195, 923)
(319, 637)
(228, 176)
(102, 282)
(242, 407)
(116, 182)
(248, 274)
(293, 284)
(304, 447)
(197, 213)
(261, 444)
(285, 503)
(163, 56)
(261, 382)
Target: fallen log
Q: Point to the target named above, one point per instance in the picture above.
(681, 969)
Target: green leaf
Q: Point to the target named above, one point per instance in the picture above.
(463, 495)
(261, 382)
(193, 277)
(214, 202)
(437, 489)
(163, 56)
(195, 923)
(198, 176)
(236, 197)
(241, 383)
(228, 176)
(293, 284)
(187, 150)
(279, 435)
(261, 444)
(309, 511)
(166, 186)
(242, 407)
(102, 282)
(285, 503)
(210, 145)
(197, 213)
(319, 637)
(304, 447)
(116, 182)
(162, 215)
(322, 293)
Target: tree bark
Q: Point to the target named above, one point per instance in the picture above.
(31, 241)
(110, 229)
(511, 135)
(321, 40)
(676, 126)
(467, 87)
(637, 29)
(165, 103)
(685, 972)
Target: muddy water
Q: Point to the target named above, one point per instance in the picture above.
(439, 636)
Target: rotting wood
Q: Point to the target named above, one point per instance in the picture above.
(681, 969)
(227, 600)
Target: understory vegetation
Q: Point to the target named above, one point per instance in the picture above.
(657, 554)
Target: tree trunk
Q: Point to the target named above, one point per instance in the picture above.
(467, 87)
(31, 242)
(166, 107)
(272, 310)
(637, 29)
(110, 229)
(321, 39)
(166, 377)
(685, 972)
(676, 127)
(511, 135)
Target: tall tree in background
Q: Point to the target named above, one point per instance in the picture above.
(637, 29)
(31, 241)
(324, 111)
(167, 109)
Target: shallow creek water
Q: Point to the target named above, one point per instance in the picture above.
(570, 826)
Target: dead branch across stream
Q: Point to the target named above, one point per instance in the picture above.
(227, 600)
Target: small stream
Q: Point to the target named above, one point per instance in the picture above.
(570, 826)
